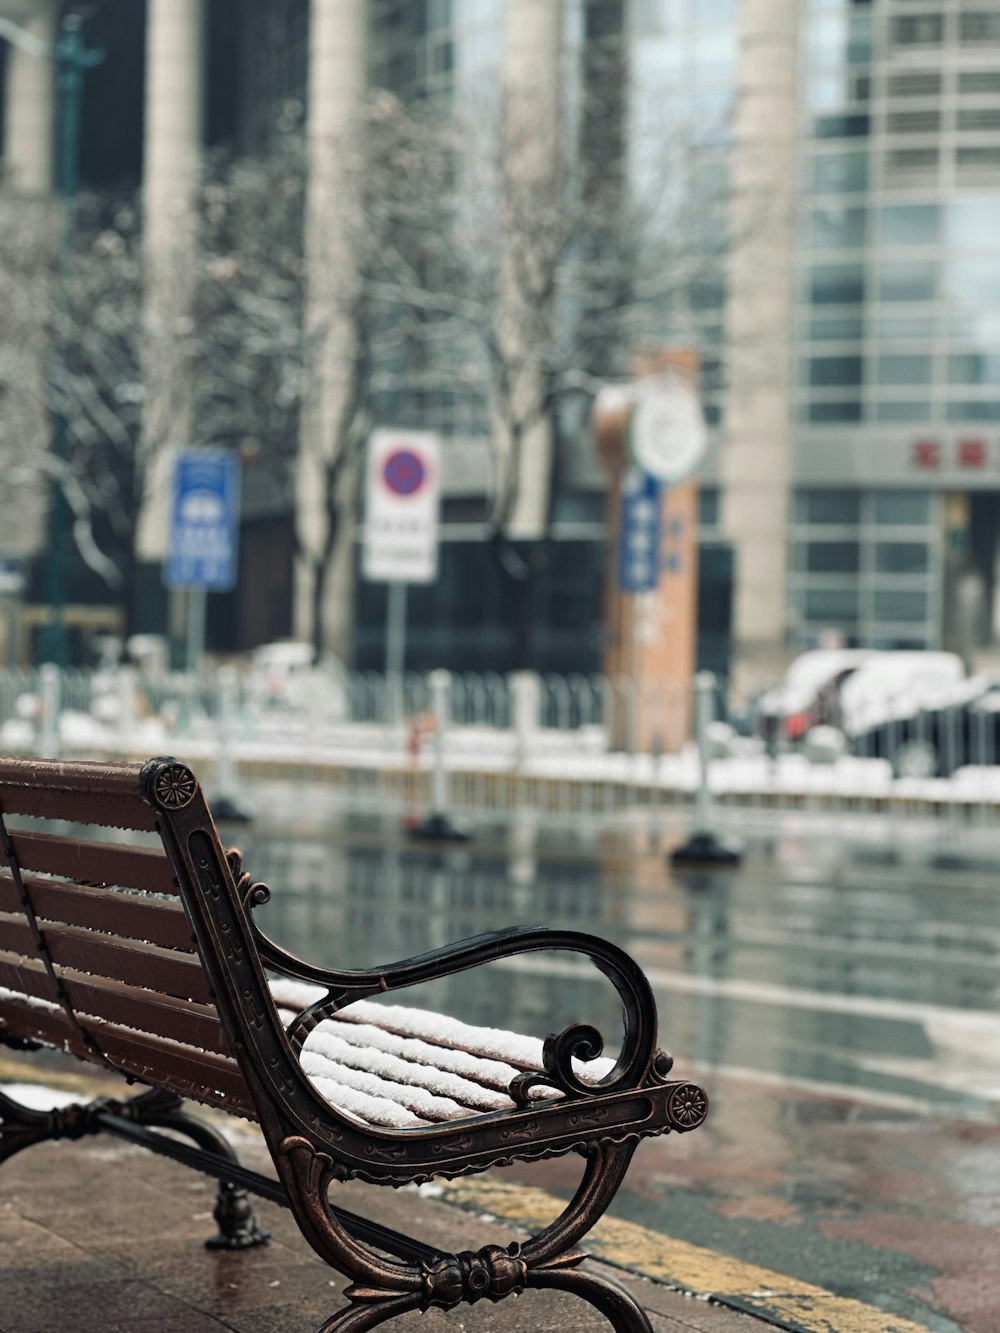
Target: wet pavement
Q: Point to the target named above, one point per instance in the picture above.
(836, 996)
(101, 1237)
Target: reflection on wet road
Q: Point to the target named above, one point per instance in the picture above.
(841, 1009)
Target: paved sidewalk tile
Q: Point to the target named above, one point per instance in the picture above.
(103, 1236)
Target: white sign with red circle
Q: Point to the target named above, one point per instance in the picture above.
(402, 502)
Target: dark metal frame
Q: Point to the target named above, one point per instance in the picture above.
(313, 1145)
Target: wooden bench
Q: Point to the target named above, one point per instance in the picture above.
(143, 955)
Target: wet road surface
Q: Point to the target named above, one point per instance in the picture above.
(838, 1000)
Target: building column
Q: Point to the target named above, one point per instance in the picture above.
(29, 109)
(172, 150)
(756, 458)
(337, 85)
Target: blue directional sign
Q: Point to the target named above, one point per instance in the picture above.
(204, 522)
(639, 533)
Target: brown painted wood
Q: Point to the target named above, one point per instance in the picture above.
(95, 862)
(183, 1021)
(117, 781)
(95, 807)
(110, 910)
(133, 962)
(27, 976)
(37, 1024)
(215, 1079)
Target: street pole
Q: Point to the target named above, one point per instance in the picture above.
(72, 59)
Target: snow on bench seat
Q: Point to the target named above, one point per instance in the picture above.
(392, 1065)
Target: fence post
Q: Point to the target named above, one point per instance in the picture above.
(439, 824)
(50, 690)
(525, 700)
(703, 844)
(226, 803)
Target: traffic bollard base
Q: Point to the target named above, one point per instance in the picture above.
(441, 828)
(230, 810)
(706, 849)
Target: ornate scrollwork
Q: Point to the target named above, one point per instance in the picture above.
(580, 1041)
(491, 1273)
(252, 893)
(174, 786)
(687, 1106)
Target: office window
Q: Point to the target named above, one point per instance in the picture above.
(916, 29)
(910, 224)
(974, 368)
(905, 604)
(979, 27)
(839, 605)
(838, 227)
(974, 224)
(831, 413)
(828, 508)
(837, 284)
(985, 410)
(840, 328)
(832, 557)
(835, 371)
(902, 558)
(897, 369)
(906, 282)
(839, 173)
(975, 281)
(901, 507)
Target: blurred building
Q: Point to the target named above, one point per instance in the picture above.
(850, 338)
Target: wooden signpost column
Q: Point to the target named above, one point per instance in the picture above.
(651, 637)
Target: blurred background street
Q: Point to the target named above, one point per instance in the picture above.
(508, 447)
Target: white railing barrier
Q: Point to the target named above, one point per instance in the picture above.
(525, 691)
(50, 692)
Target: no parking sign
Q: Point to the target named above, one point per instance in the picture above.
(402, 499)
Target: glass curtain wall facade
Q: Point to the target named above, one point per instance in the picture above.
(898, 331)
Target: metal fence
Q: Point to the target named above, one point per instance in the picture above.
(565, 745)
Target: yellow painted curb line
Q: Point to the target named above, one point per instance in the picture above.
(693, 1268)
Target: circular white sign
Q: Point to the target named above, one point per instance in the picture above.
(667, 434)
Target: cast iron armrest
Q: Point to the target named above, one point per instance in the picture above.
(579, 1041)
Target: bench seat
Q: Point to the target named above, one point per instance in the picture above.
(402, 1067)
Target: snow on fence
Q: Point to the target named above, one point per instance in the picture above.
(570, 746)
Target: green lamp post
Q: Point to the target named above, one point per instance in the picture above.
(72, 59)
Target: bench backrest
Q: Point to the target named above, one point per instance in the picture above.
(96, 950)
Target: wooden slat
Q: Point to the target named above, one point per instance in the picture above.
(210, 1078)
(37, 1024)
(28, 976)
(81, 775)
(95, 862)
(96, 807)
(133, 962)
(126, 1006)
(110, 910)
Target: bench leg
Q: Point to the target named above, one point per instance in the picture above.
(385, 1287)
(233, 1212)
(22, 1126)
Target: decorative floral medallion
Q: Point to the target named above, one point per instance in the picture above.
(175, 787)
(688, 1106)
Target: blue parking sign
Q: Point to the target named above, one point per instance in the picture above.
(204, 522)
(639, 533)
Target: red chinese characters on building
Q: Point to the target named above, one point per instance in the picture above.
(968, 455)
(926, 455)
(971, 453)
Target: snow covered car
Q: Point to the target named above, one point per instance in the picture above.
(920, 712)
(809, 695)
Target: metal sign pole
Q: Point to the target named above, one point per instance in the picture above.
(196, 608)
(395, 651)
